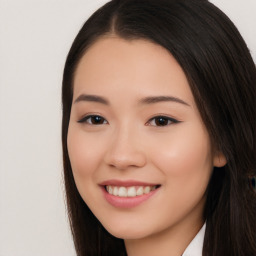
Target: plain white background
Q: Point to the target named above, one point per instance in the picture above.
(35, 36)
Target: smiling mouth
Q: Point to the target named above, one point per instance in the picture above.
(132, 191)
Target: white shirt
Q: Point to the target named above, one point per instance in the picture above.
(195, 248)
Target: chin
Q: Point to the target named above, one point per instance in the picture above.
(127, 232)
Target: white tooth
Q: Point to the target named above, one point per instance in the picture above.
(146, 189)
(139, 191)
(122, 192)
(131, 192)
(110, 190)
(115, 191)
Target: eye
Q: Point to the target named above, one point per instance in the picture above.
(162, 121)
(93, 120)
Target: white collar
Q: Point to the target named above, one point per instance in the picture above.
(195, 248)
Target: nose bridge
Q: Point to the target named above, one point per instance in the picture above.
(125, 149)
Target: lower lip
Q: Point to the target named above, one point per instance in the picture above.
(127, 202)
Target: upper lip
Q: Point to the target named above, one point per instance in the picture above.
(126, 183)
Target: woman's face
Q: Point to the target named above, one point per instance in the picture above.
(139, 151)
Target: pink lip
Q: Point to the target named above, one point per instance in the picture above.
(126, 202)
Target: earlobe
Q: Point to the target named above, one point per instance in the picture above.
(219, 160)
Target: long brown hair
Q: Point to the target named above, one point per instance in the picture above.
(222, 78)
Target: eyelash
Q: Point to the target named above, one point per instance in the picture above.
(87, 118)
(169, 120)
(163, 119)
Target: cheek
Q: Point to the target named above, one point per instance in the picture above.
(84, 153)
(186, 158)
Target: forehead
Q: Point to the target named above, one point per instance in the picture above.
(126, 65)
(113, 49)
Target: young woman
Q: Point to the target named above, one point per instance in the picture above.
(159, 132)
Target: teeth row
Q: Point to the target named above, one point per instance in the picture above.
(129, 191)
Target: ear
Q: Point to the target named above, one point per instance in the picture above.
(219, 160)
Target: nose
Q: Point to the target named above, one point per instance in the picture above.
(126, 150)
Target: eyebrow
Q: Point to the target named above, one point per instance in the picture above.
(157, 99)
(93, 98)
(146, 100)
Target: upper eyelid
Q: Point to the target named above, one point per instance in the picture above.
(173, 120)
(164, 116)
(87, 116)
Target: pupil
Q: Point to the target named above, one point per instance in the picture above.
(161, 121)
(96, 120)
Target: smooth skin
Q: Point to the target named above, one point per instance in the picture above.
(133, 133)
